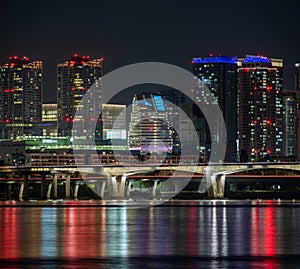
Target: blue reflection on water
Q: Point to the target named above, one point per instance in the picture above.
(49, 240)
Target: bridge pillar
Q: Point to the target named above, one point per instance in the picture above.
(212, 189)
(128, 189)
(25, 191)
(154, 188)
(54, 186)
(43, 187)
(76, 190)
(102, 189)
(221, 186)
(49, 191)
(68, 187)
(116, 189)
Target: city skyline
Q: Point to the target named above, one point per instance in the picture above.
(129, 32)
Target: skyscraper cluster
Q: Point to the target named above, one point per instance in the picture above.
(260, 116)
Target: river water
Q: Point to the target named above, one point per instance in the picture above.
(177, 234)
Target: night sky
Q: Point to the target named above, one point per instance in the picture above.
(126, 32)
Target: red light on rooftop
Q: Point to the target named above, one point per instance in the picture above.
(102, 59)
(210, 55)
(15, 57)
(75, 55)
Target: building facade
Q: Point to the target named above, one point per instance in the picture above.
(149, 127)
(114, 121)
(74, 78)
(49, 120)
(219, 74)
(260, 107)
(297, 88)
(20, 97)
(289, 123)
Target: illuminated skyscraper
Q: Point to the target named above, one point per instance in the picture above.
(74, 78)
(260, 107)
(297, 88)
(219, 74)
(20, 98)
(289, 122)
(149, 128)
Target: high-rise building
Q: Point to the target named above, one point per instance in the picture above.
(184, 120)
(289, 122)
(219, 74)
(74, 78)
(114, 121)
(297, 88)
(49, 119)
(260, 107)
(20, 97)
(149, 128)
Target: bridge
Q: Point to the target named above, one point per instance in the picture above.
(117, 181)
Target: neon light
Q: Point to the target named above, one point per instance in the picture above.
(216, 59)
(256, 59)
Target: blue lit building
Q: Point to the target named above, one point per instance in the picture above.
(149, 128)
(260, 107)
(219, 74)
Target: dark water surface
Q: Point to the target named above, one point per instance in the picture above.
(205, 234)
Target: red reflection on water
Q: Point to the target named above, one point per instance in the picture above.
(192, 242)
(270, 232)
(81, 232)
(9, 226)
(264, 234)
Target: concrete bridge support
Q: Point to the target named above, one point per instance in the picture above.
(24, 192)
(116, 188)
(217, 187)
(43, 187)
(54, 186)
(68, 187)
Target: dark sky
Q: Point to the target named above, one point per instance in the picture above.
(126, 32)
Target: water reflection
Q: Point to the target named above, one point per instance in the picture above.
(219, 236)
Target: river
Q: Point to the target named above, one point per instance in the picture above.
(177, 234)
